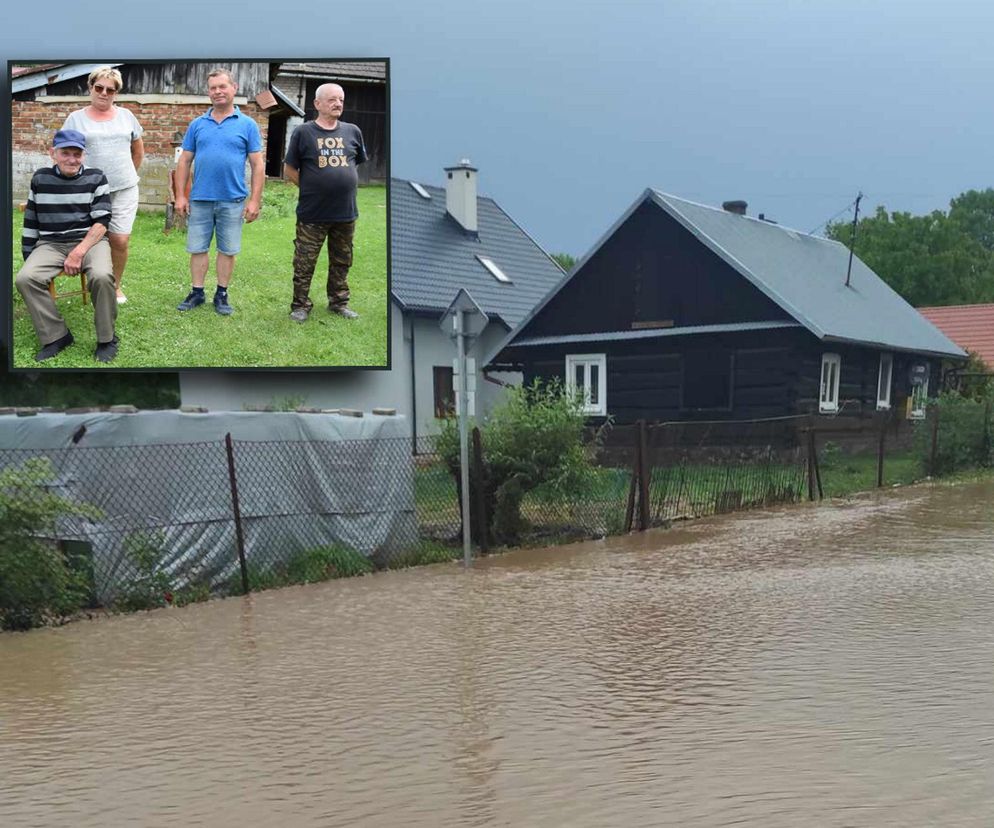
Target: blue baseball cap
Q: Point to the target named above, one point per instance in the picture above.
(69, 138)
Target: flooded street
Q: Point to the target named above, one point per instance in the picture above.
(831, 664)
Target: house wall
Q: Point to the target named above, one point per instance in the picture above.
(361, 389)
(433, 348)
(652, 273)
(774, 373)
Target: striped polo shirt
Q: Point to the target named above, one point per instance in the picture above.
(61, 209)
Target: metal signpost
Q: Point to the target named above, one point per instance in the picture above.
(464, 321)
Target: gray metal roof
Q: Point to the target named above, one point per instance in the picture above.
(432, 257)
(654, 333)
(806, 276)
(803, 274)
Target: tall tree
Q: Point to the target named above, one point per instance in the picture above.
(933, 259)
(973, 211)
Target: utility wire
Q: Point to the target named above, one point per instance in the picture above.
(845, 209)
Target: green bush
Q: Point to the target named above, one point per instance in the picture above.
(147, 585)
(308, 566)
(964, 439)
(534, 437)
(37, 583)
(426, 552)
(324, 562)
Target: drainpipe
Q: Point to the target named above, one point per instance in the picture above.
(414, 395)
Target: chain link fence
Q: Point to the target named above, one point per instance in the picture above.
(133, 527)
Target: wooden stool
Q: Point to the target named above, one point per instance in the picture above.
(83, 290)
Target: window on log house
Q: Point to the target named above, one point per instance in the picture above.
(831, 367)
(919, 399)
(884, 381)
(588, 372)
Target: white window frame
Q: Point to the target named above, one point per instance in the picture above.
(919, 401)
(883, 389)
(587, 361)
(828, 403)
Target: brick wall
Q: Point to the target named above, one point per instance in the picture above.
(33, 124)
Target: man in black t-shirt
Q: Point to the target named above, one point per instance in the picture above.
(321, 160)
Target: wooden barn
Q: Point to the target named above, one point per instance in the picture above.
(366, 102)
(165, 97)
(688, 312)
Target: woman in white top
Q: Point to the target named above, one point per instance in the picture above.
(114, 145)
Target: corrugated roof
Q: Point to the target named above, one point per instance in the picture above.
(432, 257)
(655, 333)
(969, 326)
(806, 276)
(372, 70)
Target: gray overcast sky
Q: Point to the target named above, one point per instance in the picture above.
(570, 110)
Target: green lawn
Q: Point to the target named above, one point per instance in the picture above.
(843, 475)
(154, 334)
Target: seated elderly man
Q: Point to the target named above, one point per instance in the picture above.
(65, 227)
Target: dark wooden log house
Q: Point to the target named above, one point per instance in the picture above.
(688, 312)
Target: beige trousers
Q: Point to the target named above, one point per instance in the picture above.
(44, 264)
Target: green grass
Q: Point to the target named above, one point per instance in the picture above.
(154, 334)
(843, 475)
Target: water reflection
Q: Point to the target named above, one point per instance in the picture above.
(832, 664)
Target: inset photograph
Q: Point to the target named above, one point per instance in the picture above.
(179, 215)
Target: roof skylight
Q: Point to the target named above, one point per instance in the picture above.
(421, 191)
(495, 271)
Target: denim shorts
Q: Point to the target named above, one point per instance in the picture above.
(207, 218)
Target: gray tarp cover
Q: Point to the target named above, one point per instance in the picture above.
(303, 480)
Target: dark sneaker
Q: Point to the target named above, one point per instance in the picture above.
(348, 313)
(53, 348)
(106, 351)
(193, 299)
(221, 305)
(299, 315)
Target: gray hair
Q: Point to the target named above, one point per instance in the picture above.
(218, 72)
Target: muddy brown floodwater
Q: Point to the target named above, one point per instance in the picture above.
(823, 665)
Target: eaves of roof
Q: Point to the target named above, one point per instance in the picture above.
(655, 333)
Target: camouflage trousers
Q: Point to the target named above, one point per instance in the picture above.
(306, 249)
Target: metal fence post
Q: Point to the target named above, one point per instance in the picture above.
(479, 483)
(645, 475)
(934, 453)
(239, 537)
(880, 452)
(633, 484)
(986, 445)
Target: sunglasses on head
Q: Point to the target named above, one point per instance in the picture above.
(109, 90)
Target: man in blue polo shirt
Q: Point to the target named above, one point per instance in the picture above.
(217, 145)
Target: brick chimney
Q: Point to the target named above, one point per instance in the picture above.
(460, 194)
(737, 207)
